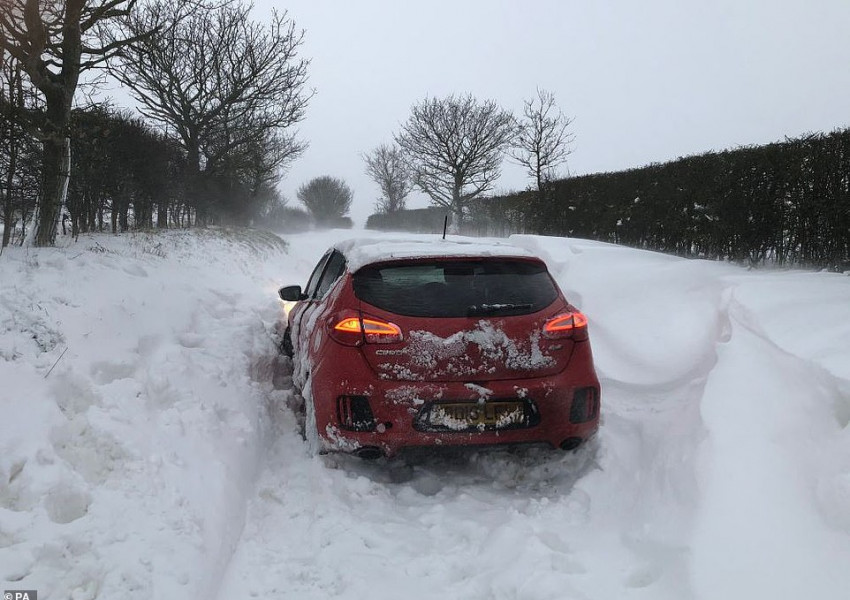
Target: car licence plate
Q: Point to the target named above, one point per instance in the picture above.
(461, 416)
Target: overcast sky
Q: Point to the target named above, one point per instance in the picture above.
(645, 80)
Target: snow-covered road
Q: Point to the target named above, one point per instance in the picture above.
(161, 459)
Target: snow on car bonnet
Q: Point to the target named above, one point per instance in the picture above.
(364, 251)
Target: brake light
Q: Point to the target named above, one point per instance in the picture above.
(356, 330)
(381, 331)
(572, 324)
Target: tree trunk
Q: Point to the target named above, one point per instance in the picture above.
(58, 90)
(456, 209)
(56, 167)
(124, 216)
(26, 215)
(162, 215)
(193, 183)
(55, 161)
(8, 216)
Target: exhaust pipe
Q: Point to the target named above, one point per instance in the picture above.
(369, 453)
(571, 443)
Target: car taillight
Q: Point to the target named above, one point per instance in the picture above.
(571, 324)
(354, 330)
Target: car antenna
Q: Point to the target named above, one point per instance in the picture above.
(445, 224)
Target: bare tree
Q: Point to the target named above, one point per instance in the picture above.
(543, 141)
(455, 146)
(222, 82)
(55, 41)
(387, 167)
(327, 198)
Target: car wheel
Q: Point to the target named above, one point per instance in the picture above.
(286, 344)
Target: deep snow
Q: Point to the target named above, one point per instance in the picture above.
(148, 446)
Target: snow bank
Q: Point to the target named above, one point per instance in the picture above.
(737, 384)
(124, 469)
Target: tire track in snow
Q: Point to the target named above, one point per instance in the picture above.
(505, 524)
(463, 525)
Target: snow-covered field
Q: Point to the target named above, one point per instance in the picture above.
(148, 448)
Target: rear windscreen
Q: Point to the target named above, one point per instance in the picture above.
(457, 288)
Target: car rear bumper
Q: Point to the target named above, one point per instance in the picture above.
(394, 417)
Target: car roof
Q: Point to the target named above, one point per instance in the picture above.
(360, 252)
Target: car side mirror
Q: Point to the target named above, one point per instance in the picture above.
(291, 293)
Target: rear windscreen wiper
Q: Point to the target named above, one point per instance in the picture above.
(477, 310)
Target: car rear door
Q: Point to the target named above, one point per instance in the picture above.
(463, 320)
(297, 313)
(329, 270)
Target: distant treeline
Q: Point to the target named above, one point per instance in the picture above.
(417, 220)
(783, 203)
(127, 174)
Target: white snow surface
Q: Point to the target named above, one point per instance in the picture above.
(149, 447)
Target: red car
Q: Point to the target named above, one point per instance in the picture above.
(435, 342)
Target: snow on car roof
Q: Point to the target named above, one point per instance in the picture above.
(364, 251)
